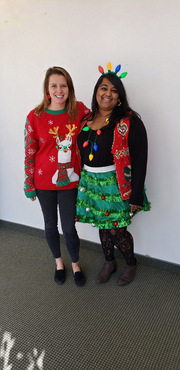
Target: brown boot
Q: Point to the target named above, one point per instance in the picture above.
(127, 275)
(108, 268)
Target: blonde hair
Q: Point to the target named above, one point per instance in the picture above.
(71, 105)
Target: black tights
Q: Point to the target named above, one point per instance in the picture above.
(122, 239)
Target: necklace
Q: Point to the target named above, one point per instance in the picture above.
(94, 145)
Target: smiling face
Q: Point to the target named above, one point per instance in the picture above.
(107, 96)
(58, 91)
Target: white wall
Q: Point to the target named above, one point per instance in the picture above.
(79, 35)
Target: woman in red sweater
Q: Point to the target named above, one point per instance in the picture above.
(52, 165)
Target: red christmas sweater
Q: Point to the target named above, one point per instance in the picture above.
(52, 161)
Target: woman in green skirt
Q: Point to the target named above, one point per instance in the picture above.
(113, 149)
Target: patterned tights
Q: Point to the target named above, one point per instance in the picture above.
(122, 239)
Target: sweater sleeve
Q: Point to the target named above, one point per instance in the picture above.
(83, 110)
(138, 147)
(31, 148)
(86, 110)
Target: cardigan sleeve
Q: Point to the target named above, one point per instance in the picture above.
(31, 148)
(138, 147)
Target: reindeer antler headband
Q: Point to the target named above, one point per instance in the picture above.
(109, 66)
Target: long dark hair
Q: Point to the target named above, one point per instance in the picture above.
(119, 111)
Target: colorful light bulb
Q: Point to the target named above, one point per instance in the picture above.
(95, 147)
(98, 132)
(85, 144)
(118, 68)
(124, 74)
(86, 128)
(91, 157)
(109, 66)
(101, 70)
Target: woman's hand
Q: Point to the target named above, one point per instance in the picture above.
(33, 198)
(135, 208)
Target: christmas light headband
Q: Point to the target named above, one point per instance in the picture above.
(109, 66)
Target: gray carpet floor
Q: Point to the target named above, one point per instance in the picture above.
(51, 327)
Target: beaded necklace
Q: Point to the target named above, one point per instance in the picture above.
(94, 145)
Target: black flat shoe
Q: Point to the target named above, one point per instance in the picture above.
(59, 276)
(79, 278)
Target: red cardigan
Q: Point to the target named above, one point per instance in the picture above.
(122, 159)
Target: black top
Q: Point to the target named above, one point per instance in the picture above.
(137, 141)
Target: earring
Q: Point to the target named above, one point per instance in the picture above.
(48, 96)
(119, 103)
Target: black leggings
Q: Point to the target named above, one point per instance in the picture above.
(65, 200)
(122, 239)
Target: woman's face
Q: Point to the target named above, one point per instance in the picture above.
(58, 91)
(107, 95)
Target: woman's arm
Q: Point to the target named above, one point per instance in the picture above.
(31, 148)
(138, 147)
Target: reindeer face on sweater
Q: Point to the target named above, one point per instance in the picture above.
(65, 172)
(64, 150)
